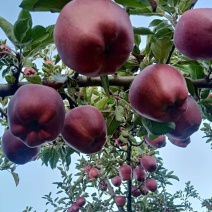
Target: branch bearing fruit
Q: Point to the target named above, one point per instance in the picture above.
(15, 150)
(95, 43)
(148, 163)
(36, 114)
(188, 123)
(192, 36)
(158, 142)
(125, 172)
(85, 129)
(159, 92)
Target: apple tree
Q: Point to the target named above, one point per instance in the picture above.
(103, 95)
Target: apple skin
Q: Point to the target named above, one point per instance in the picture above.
(139, 174)
(119, 142)
(102, 185)
(180, 142)
(120, 201)
(116, 181)
(192, 36)
(36, 114)
(74, 208)
(188, 123)
(85, 129)
(93, 173)
(151, 184)
(149, 163)
(6, 50)
(125, 172)
(29, 71)
(158, 142)
(159, 92)
(81, 201)
(136, 192)
(15, 150)
(95, 43)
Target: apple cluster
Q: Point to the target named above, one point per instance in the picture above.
(75, 207)
(36, 115)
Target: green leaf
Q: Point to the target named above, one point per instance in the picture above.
(133, 3)
(112, 124)
(142, 31)
(147, 11)
(34, 79)
(22, 27)
(102, 102)
(15, 177)
(157, 128)
(10, 79)
(105, 84)
(196, 71)
(43, 5)
(190, 86)
(173, 177)
(155, 22)
(119, 113)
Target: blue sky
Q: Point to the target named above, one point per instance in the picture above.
(190, 164)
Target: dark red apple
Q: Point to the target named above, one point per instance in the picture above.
(74, 208)
(36, 114)
(93, 173)
(158, 142)
(180, 142)
(159, 92)
(139, 174)
(136, 192)
(4, 51)
(125, 172)
(149, 163)
(144, 189)
(119, 142)
(29, 71)
(188, 123)
(120, 201)
(81, 201)
(102, 185)
(95, 43)
(116, 181)
(151, 184)
(192, 36)
(15, 150)
(85, 129)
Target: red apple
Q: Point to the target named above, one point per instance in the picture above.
(149, 163)
(116, 181)
(159, 92)
(36, 114)
(93, 173)
(15, 150)
(85, 129)
(136, 192)
(144, 190)
(29, 71)
(139, 174)
(119, 142)
(74, 208)
(158, 142)
(95, 43)
(151, 184)
(125, 172)
(180, 142)
(81, 201)
(87, 168)
(192, 36)
(4, 51)
(120, 201)
(102, 185)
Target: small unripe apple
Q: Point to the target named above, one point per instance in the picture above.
(116, 181)
(74, 208)
(125, 172)
(120, 201)
(81, 201)
(102, 185)
(5, 51)
(158, 142)
(139, 174)
(136, 192)
(93, 173)
(149, 163)
(180, 142)
(151, 184)
(28, 71)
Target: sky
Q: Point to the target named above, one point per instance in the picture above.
(190, 164)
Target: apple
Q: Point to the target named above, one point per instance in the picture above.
(85, 129)
(96, 43)
(29, 71)
(4, 51)
(15, 150)
(102, 185)
(116, 181)
(151, 184)
(144, 189)
(36, 114)
(139, 174)
(188, 123)
(93, 173)
(149, 163)
(120, 201)
(74, 208)
(180, 142)
(119, 142)
(125, 172)
(87, 168)
(159, 92)
(81, 201)
(158, 142)
(192, 36)
(136, 192)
